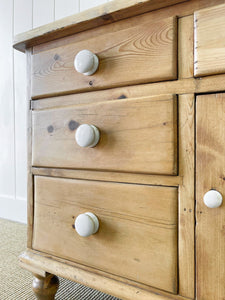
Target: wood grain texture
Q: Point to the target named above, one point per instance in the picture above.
(97, 16)
(209, 41)
(180, 10)
(125, 57)
(45, 287)
(137, 135)
(93, 278)
(139, 234)
(128, 288)
(186, 195)
(31, 268)
(109, 176)
(210, 174)
(182, 86)
(185, 47)
(30, 207)
(94, 19)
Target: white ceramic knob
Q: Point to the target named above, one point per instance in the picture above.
(86, 62)
(213, 199)
(86, 224)
(87, 135)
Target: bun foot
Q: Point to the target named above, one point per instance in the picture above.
(46, 287)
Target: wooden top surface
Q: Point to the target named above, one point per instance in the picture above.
(104, 14)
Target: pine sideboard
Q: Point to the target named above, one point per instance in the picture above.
(126, 150)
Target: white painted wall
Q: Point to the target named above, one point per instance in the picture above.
(17, 16)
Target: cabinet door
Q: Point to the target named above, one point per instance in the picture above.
(210, 175)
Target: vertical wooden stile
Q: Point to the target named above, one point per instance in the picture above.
(185, 47)
(30, 207)
(186, 195)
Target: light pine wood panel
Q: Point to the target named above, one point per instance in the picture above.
(126, 57)
(206, 84)
(31, 268)
(30, 187)
(100, 30)
(137, 135)
(104, 14)
(180, 10)
(210, 174)
(186, 47)
(209, 41)
(186, 195)
(110, 176)
(39, 261)
(139, 223)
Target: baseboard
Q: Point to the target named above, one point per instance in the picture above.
(13, 209)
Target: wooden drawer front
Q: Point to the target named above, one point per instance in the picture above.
(137, 237)
(210, 41)
(138, 54)
(137, 135)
